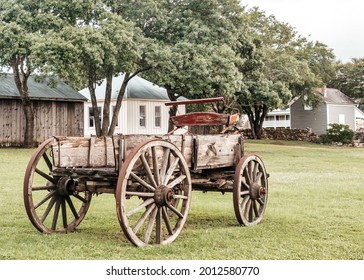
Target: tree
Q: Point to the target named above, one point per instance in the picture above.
(281, 66)
(94, 44)
(194, 54)
(349, 79)
(22, 24)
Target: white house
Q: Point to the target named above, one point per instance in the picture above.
(278, 118)
(142, 110)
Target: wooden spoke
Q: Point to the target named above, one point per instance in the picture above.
(72, 207)
(48, 209)
(166, 221)
(174, 210)
(44, 175)
(164, 165)
(142, 182)
(258, 177)
(170, 171)
(244, 193)
(143, 218)
(155, 165)
(158, 227)
(48, 161)
(250, 190)
(176, 196)
(256, 212)
(161, 215)
(82, 199)
(46, 198)
(176, 181)
(64, 213)
(140, 194)
(150, 225)
(140, 206)
(56, 213)
(47, 188)
(148, 170)
(40, 186)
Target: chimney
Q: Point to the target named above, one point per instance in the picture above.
(323, 91)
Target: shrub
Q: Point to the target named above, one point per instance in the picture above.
(340, 133)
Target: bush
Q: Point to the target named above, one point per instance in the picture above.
(340, 133)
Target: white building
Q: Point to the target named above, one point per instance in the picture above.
(142, 110)
(278, 118)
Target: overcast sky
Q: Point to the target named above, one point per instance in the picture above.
(338, 24)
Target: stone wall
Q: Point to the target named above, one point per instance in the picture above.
(293, 134)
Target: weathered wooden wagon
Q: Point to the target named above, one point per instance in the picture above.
(150, 176)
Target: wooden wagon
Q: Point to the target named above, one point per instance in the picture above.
(151, 177)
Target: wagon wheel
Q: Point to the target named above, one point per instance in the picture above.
(250, 191)
(153, 193)
(51, 204)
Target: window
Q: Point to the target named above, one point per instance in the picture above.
(91, 116)
(142, 116)
(341, 119)
(306, 105)
(157, 116)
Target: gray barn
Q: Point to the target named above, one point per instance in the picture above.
(57, 111)
(336, 108)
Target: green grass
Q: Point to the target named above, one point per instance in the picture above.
(315, 211)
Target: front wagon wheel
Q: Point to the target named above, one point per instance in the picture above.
(51, 204)
(250, 191)
(153, 193)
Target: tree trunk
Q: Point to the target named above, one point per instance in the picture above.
(256, 118)
(96, 112)
(127, 77)
(21, 81)
(172, 109)
(107, 102)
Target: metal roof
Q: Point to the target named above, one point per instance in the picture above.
(39, 90)
(137, 88)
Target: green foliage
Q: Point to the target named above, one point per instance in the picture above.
(340, 133)
(349, 79)
(192, 48)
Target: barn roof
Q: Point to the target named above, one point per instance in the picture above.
(138, 88)
(39, 90)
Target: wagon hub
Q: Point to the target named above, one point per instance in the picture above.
(163, 196)
(64, 185)
(256, 191)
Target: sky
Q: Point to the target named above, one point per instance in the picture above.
(337, 24)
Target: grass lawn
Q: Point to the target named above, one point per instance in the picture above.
(315, 212)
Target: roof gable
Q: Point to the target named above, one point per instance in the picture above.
(39, 90)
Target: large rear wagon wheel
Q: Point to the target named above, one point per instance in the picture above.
(153, 193)
(250, 191)
(51, 204)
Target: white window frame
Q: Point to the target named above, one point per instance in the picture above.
(158, 116)
(143, 116)
(91, 117)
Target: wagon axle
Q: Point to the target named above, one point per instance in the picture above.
(256, 191)
(65, 186)
(163, 196)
